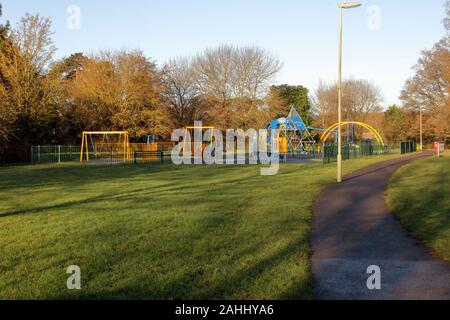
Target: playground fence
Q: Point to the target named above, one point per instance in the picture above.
(352, 151)
(408, 147)
(328, 153)
(55, 154)
(70, 153)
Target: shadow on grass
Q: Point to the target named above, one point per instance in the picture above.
(209, 236)
(420, 200)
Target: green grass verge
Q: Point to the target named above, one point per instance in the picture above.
(159, 232)
(419, 195)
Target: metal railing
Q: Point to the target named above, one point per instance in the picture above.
(408, 147)
(328, 152)
(352, 151)
(67, 153)
(149, 156)
(55, 154)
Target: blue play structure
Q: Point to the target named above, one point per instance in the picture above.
(292, 122)
(297, 136)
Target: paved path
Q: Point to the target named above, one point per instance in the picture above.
(353, 229)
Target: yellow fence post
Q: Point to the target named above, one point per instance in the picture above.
(82, 146)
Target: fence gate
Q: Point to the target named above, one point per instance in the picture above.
(408, 147)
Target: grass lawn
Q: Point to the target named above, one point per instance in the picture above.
(159, 232)
(419, 195)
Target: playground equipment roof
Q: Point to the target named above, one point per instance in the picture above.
(292, 122)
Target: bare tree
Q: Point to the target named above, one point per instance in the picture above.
(32, 37)
(231, 72)
(365, 98)
(182, 93)
(359, 98)
(254, 69)
(325, 103)
(233, 79)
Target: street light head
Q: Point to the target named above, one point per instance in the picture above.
(349, 5)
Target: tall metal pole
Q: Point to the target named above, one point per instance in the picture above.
(342, 6)
(339, 155)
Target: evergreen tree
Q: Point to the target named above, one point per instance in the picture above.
(292, 96)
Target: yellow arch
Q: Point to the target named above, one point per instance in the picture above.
(333, 128)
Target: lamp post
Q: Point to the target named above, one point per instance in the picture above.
(342, 6)
(421, 128)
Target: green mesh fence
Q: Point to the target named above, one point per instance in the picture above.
(54, 154)
(352, 151)
(408, 147)
(65, 153)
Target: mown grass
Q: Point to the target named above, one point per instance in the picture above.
(159, 232)
(419, 195)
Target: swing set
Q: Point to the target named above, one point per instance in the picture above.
(97, 145)
(188, 138)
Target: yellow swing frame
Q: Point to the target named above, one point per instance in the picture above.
(87, 134)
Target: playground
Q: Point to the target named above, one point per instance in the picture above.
(183, 152)
(296, 143)
(146, 228)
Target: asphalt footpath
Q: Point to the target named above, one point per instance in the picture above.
(354, 230)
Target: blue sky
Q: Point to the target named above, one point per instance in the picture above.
(303, 34)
